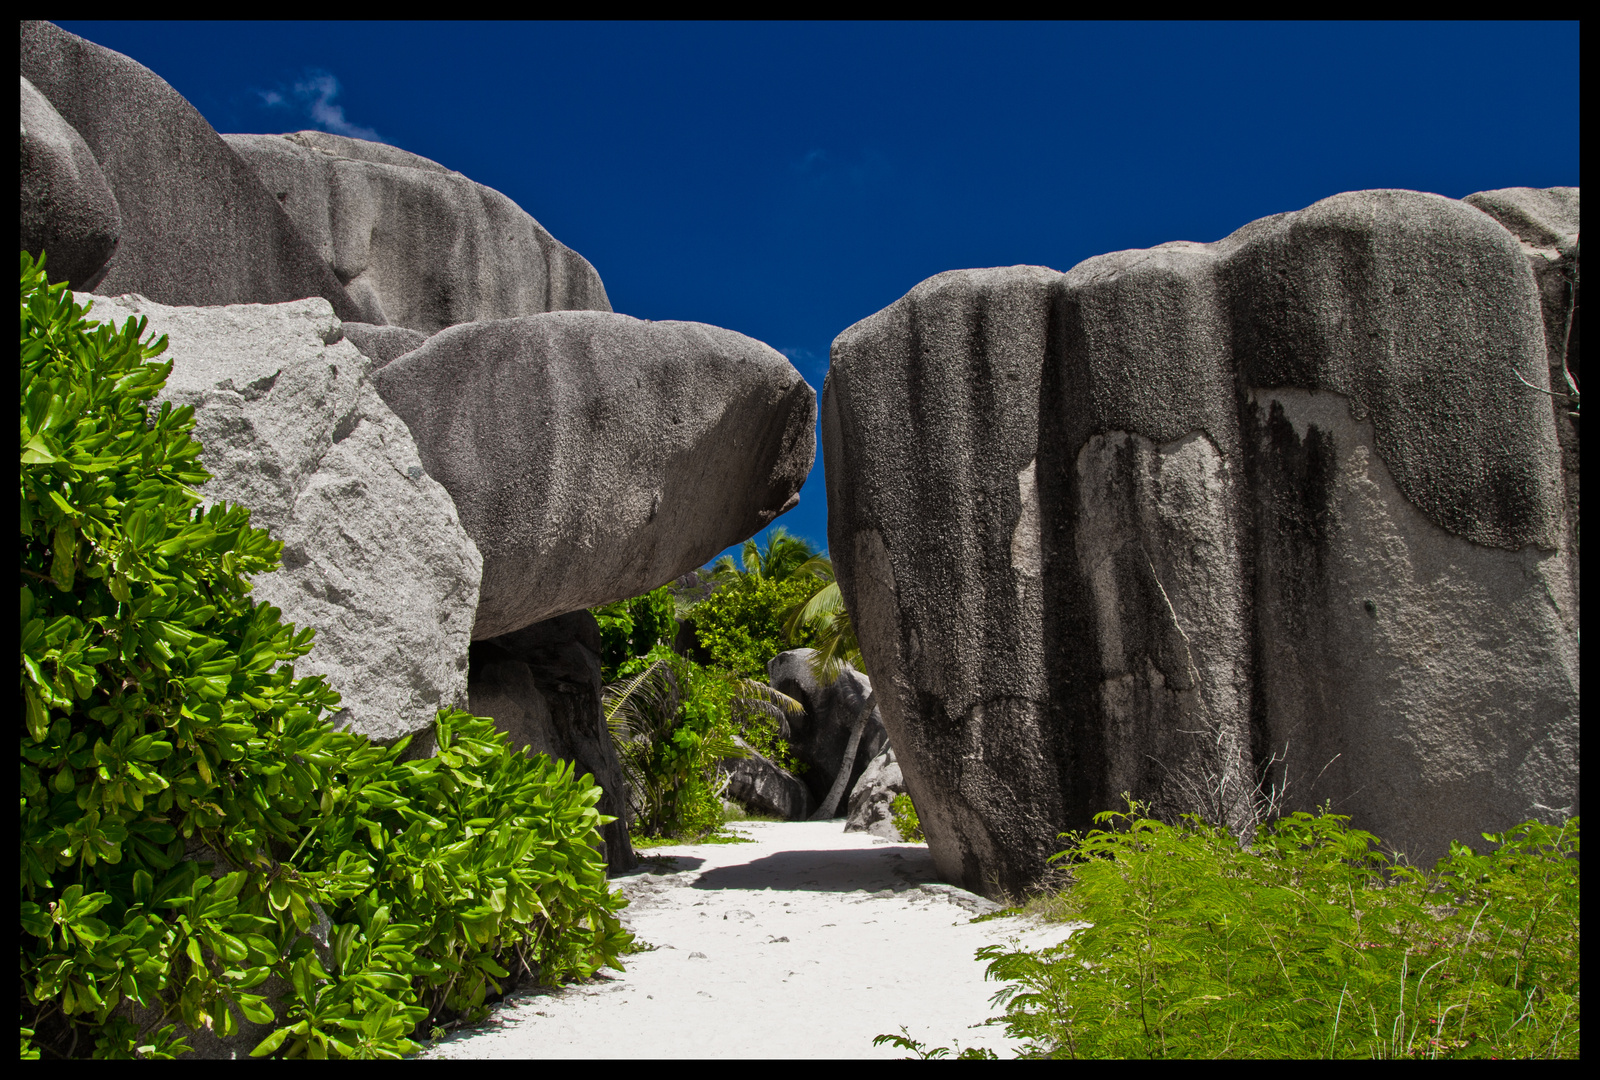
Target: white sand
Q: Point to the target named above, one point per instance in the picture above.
(804, 944)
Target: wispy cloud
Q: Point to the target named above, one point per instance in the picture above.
(313, 96)
(824, 169)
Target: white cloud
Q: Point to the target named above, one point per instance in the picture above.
(313, 97)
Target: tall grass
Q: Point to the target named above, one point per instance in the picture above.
(1311, 944)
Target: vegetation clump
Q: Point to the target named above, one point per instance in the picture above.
(904, 816)
(200, 848)
(676, 721)
(1311, 943)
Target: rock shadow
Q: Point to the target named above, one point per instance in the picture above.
(866, 869)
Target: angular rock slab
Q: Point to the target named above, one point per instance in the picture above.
(374, 555)
(68, 210)
(417, 244)
(820, 737)
(197, 226)
(541, 685)
(871, 805)
(594, 456)
(1190, 518)
(764, 787)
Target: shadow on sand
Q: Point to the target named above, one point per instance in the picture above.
(843, 870)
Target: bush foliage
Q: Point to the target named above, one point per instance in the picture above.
(904, 816)
(1311, 944)
(188, 810)
(741, 623)
(629, 629)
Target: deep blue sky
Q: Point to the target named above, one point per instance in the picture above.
(786, 180)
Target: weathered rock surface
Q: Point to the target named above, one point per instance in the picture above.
(763, 787)
(871, 806)
(820, 737)
(198, 229)
(417, 244)
(382, 344)
(594, 456)
(68, 210)
(374, 555)
(1545, 220)
(1144, 525)
(541, 685)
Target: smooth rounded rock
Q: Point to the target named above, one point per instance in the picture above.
(417, 244)
(198, 229)
(68, 210)
(594, 456)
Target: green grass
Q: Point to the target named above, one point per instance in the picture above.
(1311, 944)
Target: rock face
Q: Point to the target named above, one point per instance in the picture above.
(1188, 518)
(541, 685)
(820, 737)
(374, 555)
(871, 806)
(68, 209)
(198, 229)
(414, 243)
(1546, 222)
(595, 456)
(761, 786)
(382, 344)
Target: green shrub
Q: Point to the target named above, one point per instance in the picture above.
(1308, 945)
(740, 623)
(631, 628)
(906, 821)
(163, 728)
(672, 725)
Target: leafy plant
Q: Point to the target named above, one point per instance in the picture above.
(1308, 945)
(671, 725)
(905, 1042)
(189, 815)
(905, 820)
(740, 625)
(780, 560)
(631, 628)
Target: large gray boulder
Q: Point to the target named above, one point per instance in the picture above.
(374, 555)
(764, 787)
(68, 210)
(542, 687)
(871, 805)
(819, 738)
(197, 227)
(1189, 519)
(1545, 222)
(382, 344)
(594, 456)
(417, 244)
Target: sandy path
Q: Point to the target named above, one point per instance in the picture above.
(804, 944)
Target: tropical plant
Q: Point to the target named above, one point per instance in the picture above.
(631, 628)
(906, 822)
(739, 624)
(780, 560)
(824, 618)
(189, 815)
(1310, 944)
(671, 725)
